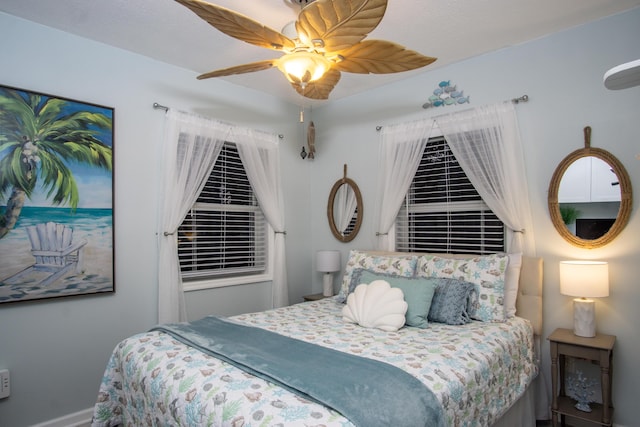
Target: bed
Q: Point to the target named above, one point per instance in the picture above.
(477, 373)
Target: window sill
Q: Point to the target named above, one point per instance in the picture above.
(221, 283)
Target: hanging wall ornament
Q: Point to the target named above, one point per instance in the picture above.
(311, 140)
(446, 94)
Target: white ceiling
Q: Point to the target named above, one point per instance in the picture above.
(451, 30)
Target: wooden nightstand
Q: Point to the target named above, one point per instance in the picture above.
(314, 297)
(599, 349)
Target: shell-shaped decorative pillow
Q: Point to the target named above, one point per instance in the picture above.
(376, 305)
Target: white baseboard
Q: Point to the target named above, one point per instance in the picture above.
(77, 419)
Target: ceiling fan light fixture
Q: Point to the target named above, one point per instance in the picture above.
(326, 39)
(303, 66)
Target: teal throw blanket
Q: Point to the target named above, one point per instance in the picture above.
(367, 392)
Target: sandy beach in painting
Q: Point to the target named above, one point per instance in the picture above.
(97, 276)
(93, 225)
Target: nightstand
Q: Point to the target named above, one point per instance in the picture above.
(314, 297)
(598, 349)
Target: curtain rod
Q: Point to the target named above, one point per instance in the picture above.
(157, 106)
(523, 98)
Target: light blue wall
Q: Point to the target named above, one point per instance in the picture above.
(562, 74)
(57, 350)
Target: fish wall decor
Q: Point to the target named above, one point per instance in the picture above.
(446, 94)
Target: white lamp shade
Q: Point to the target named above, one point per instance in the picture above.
(328, 261)
(584, 278)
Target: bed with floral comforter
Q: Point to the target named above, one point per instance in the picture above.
(477, 371)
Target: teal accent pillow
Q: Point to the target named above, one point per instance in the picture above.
(399, 265)
(418, 293)
(453, 301)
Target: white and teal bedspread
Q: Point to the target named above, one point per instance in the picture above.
(476, 371)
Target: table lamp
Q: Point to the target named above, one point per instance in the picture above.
(584, 279)
(327, 262)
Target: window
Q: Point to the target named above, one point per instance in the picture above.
(352, 223)
(443, 212)
(225, 233)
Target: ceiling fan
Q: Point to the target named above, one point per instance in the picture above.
(328, 40)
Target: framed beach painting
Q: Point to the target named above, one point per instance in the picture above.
(56, 197)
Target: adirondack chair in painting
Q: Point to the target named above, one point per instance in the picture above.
(55, 252)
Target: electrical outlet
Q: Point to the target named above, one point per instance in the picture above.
(5, 383)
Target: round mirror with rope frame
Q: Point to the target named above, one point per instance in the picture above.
(626, 198)
(356, 220)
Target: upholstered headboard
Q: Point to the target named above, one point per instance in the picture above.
(529, 301)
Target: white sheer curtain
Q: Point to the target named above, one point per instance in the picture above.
(486, 142)
(345, 206)
(400, 153)
(259, 154)
(191, 147)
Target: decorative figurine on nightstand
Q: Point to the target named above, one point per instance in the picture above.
(580, 388)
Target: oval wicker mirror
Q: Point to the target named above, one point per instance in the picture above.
(344, 210)
(590, 196)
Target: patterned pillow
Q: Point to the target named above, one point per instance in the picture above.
(487, 273)
(451, 301)
(417, 291)
(399, 265)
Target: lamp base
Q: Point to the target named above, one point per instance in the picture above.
(584, 317)
(327, 284)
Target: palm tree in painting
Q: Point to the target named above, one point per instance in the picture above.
(39, 137)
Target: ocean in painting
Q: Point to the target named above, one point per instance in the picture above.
(93, 225)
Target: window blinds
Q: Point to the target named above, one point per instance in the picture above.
(443, 212)
(224, 234)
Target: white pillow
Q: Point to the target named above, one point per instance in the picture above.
(376, 305)
(511, 283)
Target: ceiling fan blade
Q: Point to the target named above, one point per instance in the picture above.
(239, 26)
(380, 57)
(319, 89)
(240, 69)
(338, 25)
